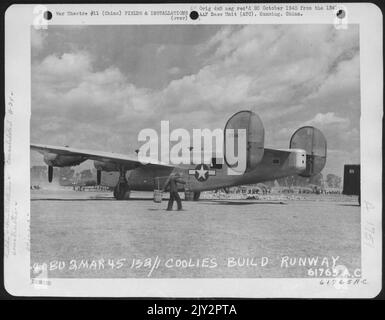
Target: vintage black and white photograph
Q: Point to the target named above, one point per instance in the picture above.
(196, 151)
(292, 211)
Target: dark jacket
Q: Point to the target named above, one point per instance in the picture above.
(172, 182)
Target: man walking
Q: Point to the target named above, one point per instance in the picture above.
(172, 182)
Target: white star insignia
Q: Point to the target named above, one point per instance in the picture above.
(201, 173)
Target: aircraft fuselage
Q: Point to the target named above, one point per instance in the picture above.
(275, 164)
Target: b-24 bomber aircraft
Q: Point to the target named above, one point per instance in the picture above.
(306, 156)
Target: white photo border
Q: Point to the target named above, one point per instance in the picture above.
(18, 22)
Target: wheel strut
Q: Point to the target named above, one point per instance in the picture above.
(121, 190)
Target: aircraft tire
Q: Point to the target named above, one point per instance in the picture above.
(196, 196)
(122, 192)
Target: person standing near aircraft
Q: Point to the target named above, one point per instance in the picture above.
(172, 183)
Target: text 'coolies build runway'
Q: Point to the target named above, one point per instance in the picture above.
(210, 238)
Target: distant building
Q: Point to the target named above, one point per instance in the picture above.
(352, 180)
(66, 176)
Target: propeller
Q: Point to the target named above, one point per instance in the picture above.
(50, 173)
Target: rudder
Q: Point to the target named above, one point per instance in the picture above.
(314, 143)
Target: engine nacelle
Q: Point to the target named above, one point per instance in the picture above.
(60, 160)
(313, 142)
(106, 166)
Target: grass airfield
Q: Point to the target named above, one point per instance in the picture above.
(91, 235)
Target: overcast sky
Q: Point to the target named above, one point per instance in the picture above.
(96, 87)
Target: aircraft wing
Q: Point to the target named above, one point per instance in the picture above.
(128, 162)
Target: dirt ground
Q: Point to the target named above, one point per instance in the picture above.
(89, 234)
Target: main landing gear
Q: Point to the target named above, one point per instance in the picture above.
(121, 190)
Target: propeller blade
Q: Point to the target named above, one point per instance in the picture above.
(50, 173)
